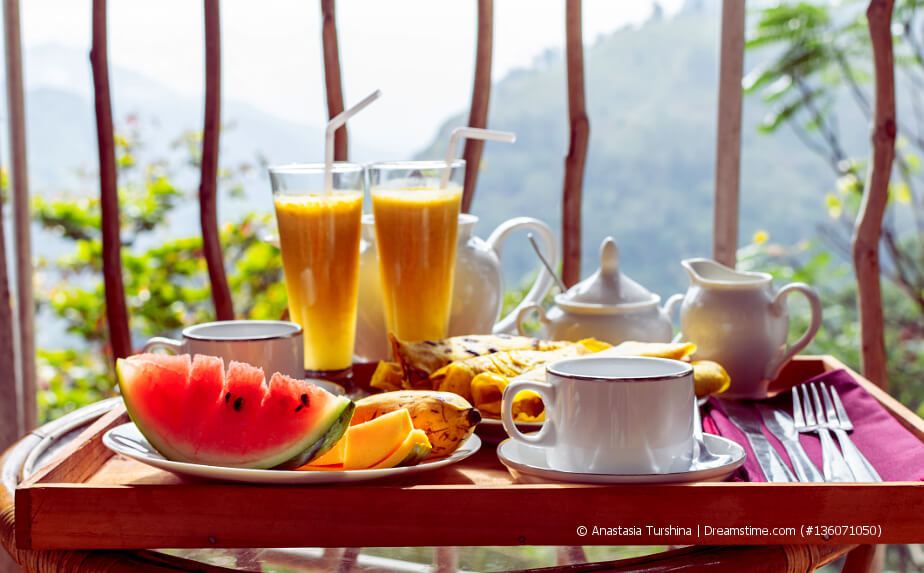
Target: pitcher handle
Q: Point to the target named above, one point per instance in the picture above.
(170, 344)
(521, 314)
(543, 282)
(669, 307)
(773, 369)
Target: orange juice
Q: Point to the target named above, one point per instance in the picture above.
(319, 236)
(415, 236)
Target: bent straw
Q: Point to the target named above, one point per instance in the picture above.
(332, 126)
(471, 133)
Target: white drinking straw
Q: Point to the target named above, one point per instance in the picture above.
(471, 133)
(332, 126)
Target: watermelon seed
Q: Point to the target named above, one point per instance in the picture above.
(238, 403)
(299, 407)
(227, 397)
(305, 400)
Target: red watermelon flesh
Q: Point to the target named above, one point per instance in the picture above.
(192, 411)
(206, 382)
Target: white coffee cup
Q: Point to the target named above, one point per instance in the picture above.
(274, 345)
(612, 415)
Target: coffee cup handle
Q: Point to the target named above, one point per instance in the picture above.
(161, 342)
(773, 369)
(546, 435)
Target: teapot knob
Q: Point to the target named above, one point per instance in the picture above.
(609, 257)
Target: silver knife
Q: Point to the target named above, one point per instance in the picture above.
(746, 420)
(781, 425)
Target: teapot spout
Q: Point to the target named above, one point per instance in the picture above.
(706, 272)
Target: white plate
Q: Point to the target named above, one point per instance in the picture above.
(332, 387)
(128, 441)
(528, 464)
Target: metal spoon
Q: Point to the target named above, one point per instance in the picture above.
(545, 262)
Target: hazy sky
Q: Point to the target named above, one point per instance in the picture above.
(419, 52)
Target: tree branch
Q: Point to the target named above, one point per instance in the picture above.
(875, 197)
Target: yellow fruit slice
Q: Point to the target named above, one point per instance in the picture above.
(371, 442)
(414, 449)
(333, 456)
(673, 350)
(388, 377)
(709, 378)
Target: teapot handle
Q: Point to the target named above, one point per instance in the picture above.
(773, 369)
(543, 282)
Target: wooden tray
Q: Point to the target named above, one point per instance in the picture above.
(90, 498)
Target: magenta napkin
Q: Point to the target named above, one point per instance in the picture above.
(895, 453)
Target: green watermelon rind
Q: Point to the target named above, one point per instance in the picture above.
(331, 435)
(329, 430)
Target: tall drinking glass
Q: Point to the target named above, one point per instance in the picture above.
(319, 235)
(416, 221)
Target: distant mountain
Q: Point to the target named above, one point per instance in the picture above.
(652, 98)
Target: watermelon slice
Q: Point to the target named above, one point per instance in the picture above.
(191, 410)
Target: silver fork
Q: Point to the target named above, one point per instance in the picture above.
(841, 424)
(833, 465)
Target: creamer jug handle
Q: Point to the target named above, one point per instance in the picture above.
(544, 281)
(773, 369)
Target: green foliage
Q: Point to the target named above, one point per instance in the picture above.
(165, 278)
(822, 60)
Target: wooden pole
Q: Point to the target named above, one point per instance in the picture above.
(116, 313)
(208, 186)
(332, 76)
(481, 96)
(868, 227)
(11, 427)
(25, 305)
(728, 137)
(577, 147)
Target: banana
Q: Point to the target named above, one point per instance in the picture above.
(446, 418)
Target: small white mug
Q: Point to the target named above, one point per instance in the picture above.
(612, 415)
(274, 345)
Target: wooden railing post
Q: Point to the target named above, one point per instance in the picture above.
(25, 304)
(728, 137)
(868, 227)
(10, 414)
(577, 147)
(332, 80)
(116, 313)
(208, 186)
(481, 96)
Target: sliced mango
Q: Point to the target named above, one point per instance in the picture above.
(371, 442)
(333, 456)
(414, 449)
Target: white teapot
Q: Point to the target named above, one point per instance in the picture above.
(478, 288)
(608, 306)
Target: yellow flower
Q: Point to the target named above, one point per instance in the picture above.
(760, 237)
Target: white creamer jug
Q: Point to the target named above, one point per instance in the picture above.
(739, 320)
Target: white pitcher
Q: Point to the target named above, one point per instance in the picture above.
(478, 288)
(739, 320)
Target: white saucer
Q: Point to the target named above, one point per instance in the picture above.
(528, 464)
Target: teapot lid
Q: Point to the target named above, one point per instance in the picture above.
(608, 286)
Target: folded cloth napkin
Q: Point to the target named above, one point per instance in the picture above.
(895, 453)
